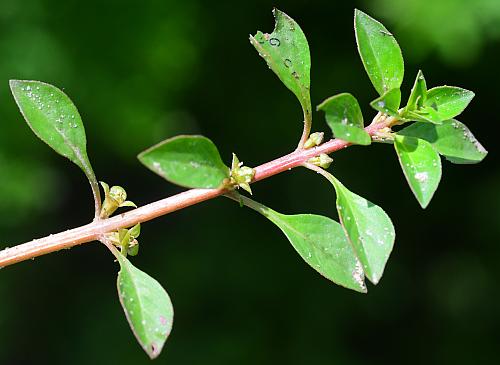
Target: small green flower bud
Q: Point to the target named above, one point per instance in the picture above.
(245, 187)
(243, 174)
(323, 160)
(113, 199)
(133, 248)
(118, 194)
(315, 139)
(384, 135)
(240, 175)
(235, 163)
(113, 238)
(125, 240)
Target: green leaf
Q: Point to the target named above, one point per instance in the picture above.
(55, 120)
(418, 93)
(421, 166)
(343, 116)
(446, 102)
(189, 161)
(388, 103)
(368, 228)
(417, 117)
(287, 53)
(320, 241)
(379, 52)
(147, 307)
(451, 139)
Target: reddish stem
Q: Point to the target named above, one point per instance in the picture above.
(95, 230)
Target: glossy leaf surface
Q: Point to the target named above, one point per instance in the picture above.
(379, 52)
(451, 139)
(190, 161)
(421, 166)
(286, 52)
(343, 116)
(321, 242)
(446, 102)
(418, 93)
(368, 228)
(388, 103)
(147, 307)
(417, 117)
(55, 120)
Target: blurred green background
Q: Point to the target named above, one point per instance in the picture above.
(142, 71)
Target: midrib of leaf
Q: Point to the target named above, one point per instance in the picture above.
(141, 317)
(305, 237)
(202, 164)
(265, 212)
(408, 155)
(451, 101)
(340, 193)
(86, 169)
(303, 89)
(354, 218)
(298, 233)
(379, 65)
(75, 150)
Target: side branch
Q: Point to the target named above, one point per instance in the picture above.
(95, 230)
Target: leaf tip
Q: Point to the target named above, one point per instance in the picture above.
(424, 203)
(14, 87)
(153, 351)
(277, 12)
(13, 83)
(359, 13)
(140, 156)
(472, 94)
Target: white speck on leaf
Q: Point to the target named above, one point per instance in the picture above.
(422, 176)
(358, 274)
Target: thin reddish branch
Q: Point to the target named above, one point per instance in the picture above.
(95, 230)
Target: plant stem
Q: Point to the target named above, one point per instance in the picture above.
(96, 229)
(307, 128)
(319, 170)
(97, 195)
(252, 204)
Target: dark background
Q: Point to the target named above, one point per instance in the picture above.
(142, 71)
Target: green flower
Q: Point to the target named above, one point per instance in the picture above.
(113, 199)
(126, 240)
(241, 176)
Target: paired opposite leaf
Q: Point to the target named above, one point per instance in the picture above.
(368, 228)
(417, 116)
(343, 115)
(147, 307)
(55, 120)
(437, 104)
(451, 139)
(287, 53)
(421, 166)
(379, 52)
(445, 102)
(388, 103)
(321, 242)
(418, 93)
(189, 161)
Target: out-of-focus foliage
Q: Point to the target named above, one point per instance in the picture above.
(455, 30)
(119, 69)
